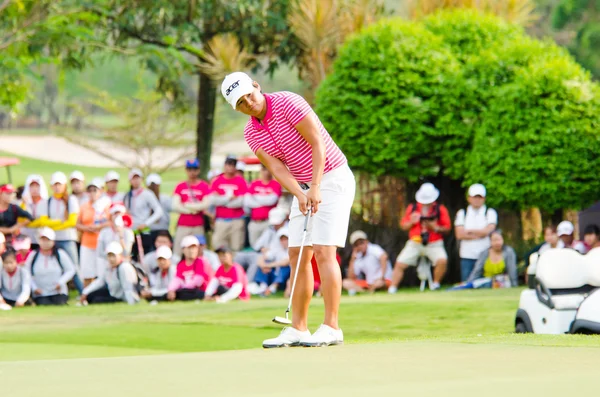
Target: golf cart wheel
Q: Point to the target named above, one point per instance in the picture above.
(521, 328)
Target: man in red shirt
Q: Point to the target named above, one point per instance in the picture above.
(426, 221)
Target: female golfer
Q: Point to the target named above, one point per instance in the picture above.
(291, 142)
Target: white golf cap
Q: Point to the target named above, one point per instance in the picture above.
(135, 172)
(112, 176)
(117, 207)
(357, 235)
(565, 228)
(96, 182)
(164, 252)
(78, 175)
(477, 190)
(284, 231)
(58, 177)
(114, 248)
(240, 166)
(427, 194)
(153, 178)
(48, 233)
(35, 179)
(277, 216)
(188, 241)
(2, 238)
(235, 86)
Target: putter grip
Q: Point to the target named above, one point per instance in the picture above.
(306, 220)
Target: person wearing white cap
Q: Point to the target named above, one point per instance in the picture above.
(263, 195)
(77, 180)
(369, 261)
(116, 231)
(63, 210)
(274, 266)
(161, 277)
(566, 232)
(473, 227)
(93, 217)
(112, 187)
(153, 182)
(51, 268)
(268, 241)
(118, 283)
(426, 222)
(192, 275)
(289, 139)
(190, 199)
(35, 198)
(144, 208)
(228, 192)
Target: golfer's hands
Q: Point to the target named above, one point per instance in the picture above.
(314, 199)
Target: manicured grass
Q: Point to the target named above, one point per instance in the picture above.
(473, 317)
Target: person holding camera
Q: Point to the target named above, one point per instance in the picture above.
(426, 222)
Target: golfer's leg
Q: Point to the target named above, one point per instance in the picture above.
(304, 286)
(331, 282)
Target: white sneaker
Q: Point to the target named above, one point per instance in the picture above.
(288, 337)
(324, 336)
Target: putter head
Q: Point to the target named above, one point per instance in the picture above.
(282, 320)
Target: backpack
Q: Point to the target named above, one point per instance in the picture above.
(54, 254)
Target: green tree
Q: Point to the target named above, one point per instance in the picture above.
(453, 98)
(174, 38)
(582, 18)
(36, 32)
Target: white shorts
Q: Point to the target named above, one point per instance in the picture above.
(329, 226)
(412, 251)
(88, 262)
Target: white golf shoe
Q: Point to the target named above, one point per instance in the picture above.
(324, 336)
(288, 337)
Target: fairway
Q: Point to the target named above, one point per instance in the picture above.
(458, 342)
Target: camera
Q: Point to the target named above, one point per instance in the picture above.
(424, 238)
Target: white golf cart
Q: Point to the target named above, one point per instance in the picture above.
(563, 295)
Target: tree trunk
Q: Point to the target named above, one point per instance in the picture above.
(205, 122)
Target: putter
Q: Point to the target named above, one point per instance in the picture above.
(286, 320)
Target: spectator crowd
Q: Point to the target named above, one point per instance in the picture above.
(112, 246)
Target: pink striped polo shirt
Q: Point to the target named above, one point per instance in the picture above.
(278, 137)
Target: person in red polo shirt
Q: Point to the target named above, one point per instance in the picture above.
(262, 196)
(426, 222)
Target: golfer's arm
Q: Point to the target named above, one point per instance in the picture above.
(309, 130)
(280, 172)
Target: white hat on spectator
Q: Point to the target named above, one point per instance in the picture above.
(34, 178)
(277, 216)
(117, 208)
(58, 177)
(240, 166)
(188, 241)
(153, 178)
(48, 233)
(358, 235)
(135, 172)
(114, 248)
(77, 175)
(477, 189)
(164, 252)
(565, 228)
(284, 231)
(97, 183)
(112, 176)
(2, 238)
(427, 194)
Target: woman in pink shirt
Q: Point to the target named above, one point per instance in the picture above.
(193, 273)
(263, 195)
(288, 138)
(230, 281)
